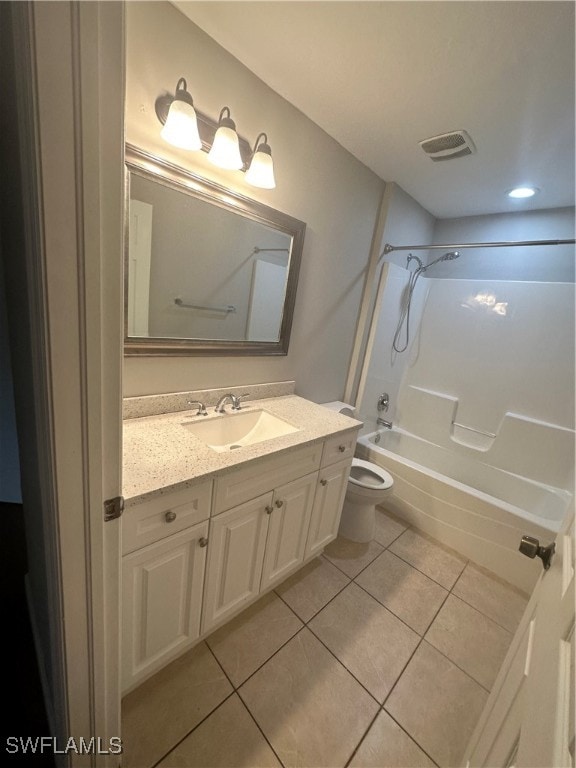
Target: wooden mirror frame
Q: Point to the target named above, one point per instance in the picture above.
(156, 169)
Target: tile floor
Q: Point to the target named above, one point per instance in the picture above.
(372, 656)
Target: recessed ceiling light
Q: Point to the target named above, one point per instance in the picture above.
(520, 192)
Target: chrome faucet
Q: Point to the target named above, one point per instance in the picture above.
(383, 423)
(229, 397)
(201, 407)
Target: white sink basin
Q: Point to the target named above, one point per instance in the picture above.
(231, 431)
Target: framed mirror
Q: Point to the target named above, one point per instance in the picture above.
(207, 271)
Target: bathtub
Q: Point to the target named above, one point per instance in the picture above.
(478, 510)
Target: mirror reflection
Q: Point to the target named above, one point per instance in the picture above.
(206, 269)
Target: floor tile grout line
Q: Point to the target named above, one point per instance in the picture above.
(338, 661)
(485, 615)
(251, 675)
(247, 708)
(357, 747)
(410, 737)
(512, 632)
(424, 573)
(362, 569)
(396, 615)
(324, 606)
(232, 692)
(177, 744)
(415, 649)
(456, 664)
(331, 652)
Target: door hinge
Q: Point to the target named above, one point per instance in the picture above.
(113, 508)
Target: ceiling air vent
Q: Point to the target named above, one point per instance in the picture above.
(448, 146)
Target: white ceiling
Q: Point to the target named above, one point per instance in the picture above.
(381, 76)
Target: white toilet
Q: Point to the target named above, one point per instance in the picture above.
(368, 486)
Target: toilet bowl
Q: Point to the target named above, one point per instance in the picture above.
(368, 485)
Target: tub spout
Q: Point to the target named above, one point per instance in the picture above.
(383, 423)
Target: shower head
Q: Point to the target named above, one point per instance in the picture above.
(445, 257)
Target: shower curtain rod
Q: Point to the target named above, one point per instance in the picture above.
(505, 244)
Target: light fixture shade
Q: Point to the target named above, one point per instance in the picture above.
(225, 150)
(181, 126)
(261, 170)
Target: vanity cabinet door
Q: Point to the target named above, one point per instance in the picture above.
(288, 528)
(162, 598)
(332, 482)
(236, 552)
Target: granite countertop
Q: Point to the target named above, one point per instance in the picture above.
(161, 455)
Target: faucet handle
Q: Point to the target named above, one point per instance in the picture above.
(383, 402)
(201, 407)
(237, 406)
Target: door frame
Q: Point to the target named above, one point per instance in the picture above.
(69, 86)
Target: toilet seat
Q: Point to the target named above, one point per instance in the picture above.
(366, 474)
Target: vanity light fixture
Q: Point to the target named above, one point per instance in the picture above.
(181, 126)
(261, 170)
(188, 128)
(225, 150)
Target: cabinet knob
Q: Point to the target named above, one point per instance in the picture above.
(170, 516)
(279, 503)
(269, 509)
(341, 448)
(203, 541)
(323, 481)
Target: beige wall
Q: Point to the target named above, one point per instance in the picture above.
(318, 182)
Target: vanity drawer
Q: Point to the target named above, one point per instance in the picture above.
(338, 448)
(155, 519)
(264, 475)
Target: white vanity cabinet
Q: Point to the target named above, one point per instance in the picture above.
(164, 543)
(235, 555)
(289, 522)
(196, 557)
(330, 493)
(258, 543)
(337, 453)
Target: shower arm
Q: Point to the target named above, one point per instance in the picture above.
(504, 244)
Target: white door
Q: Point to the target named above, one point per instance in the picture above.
(325, 520)
(236, 544)
(162, 588)
(68, 79)
(288, 528)
(140, 256)
(529, 717)
(266, 301)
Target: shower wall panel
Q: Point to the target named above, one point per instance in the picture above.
(498, 358)
(386, 368)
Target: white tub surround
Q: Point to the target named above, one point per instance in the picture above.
(206, 532)
(528, 447)
(484, 519)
